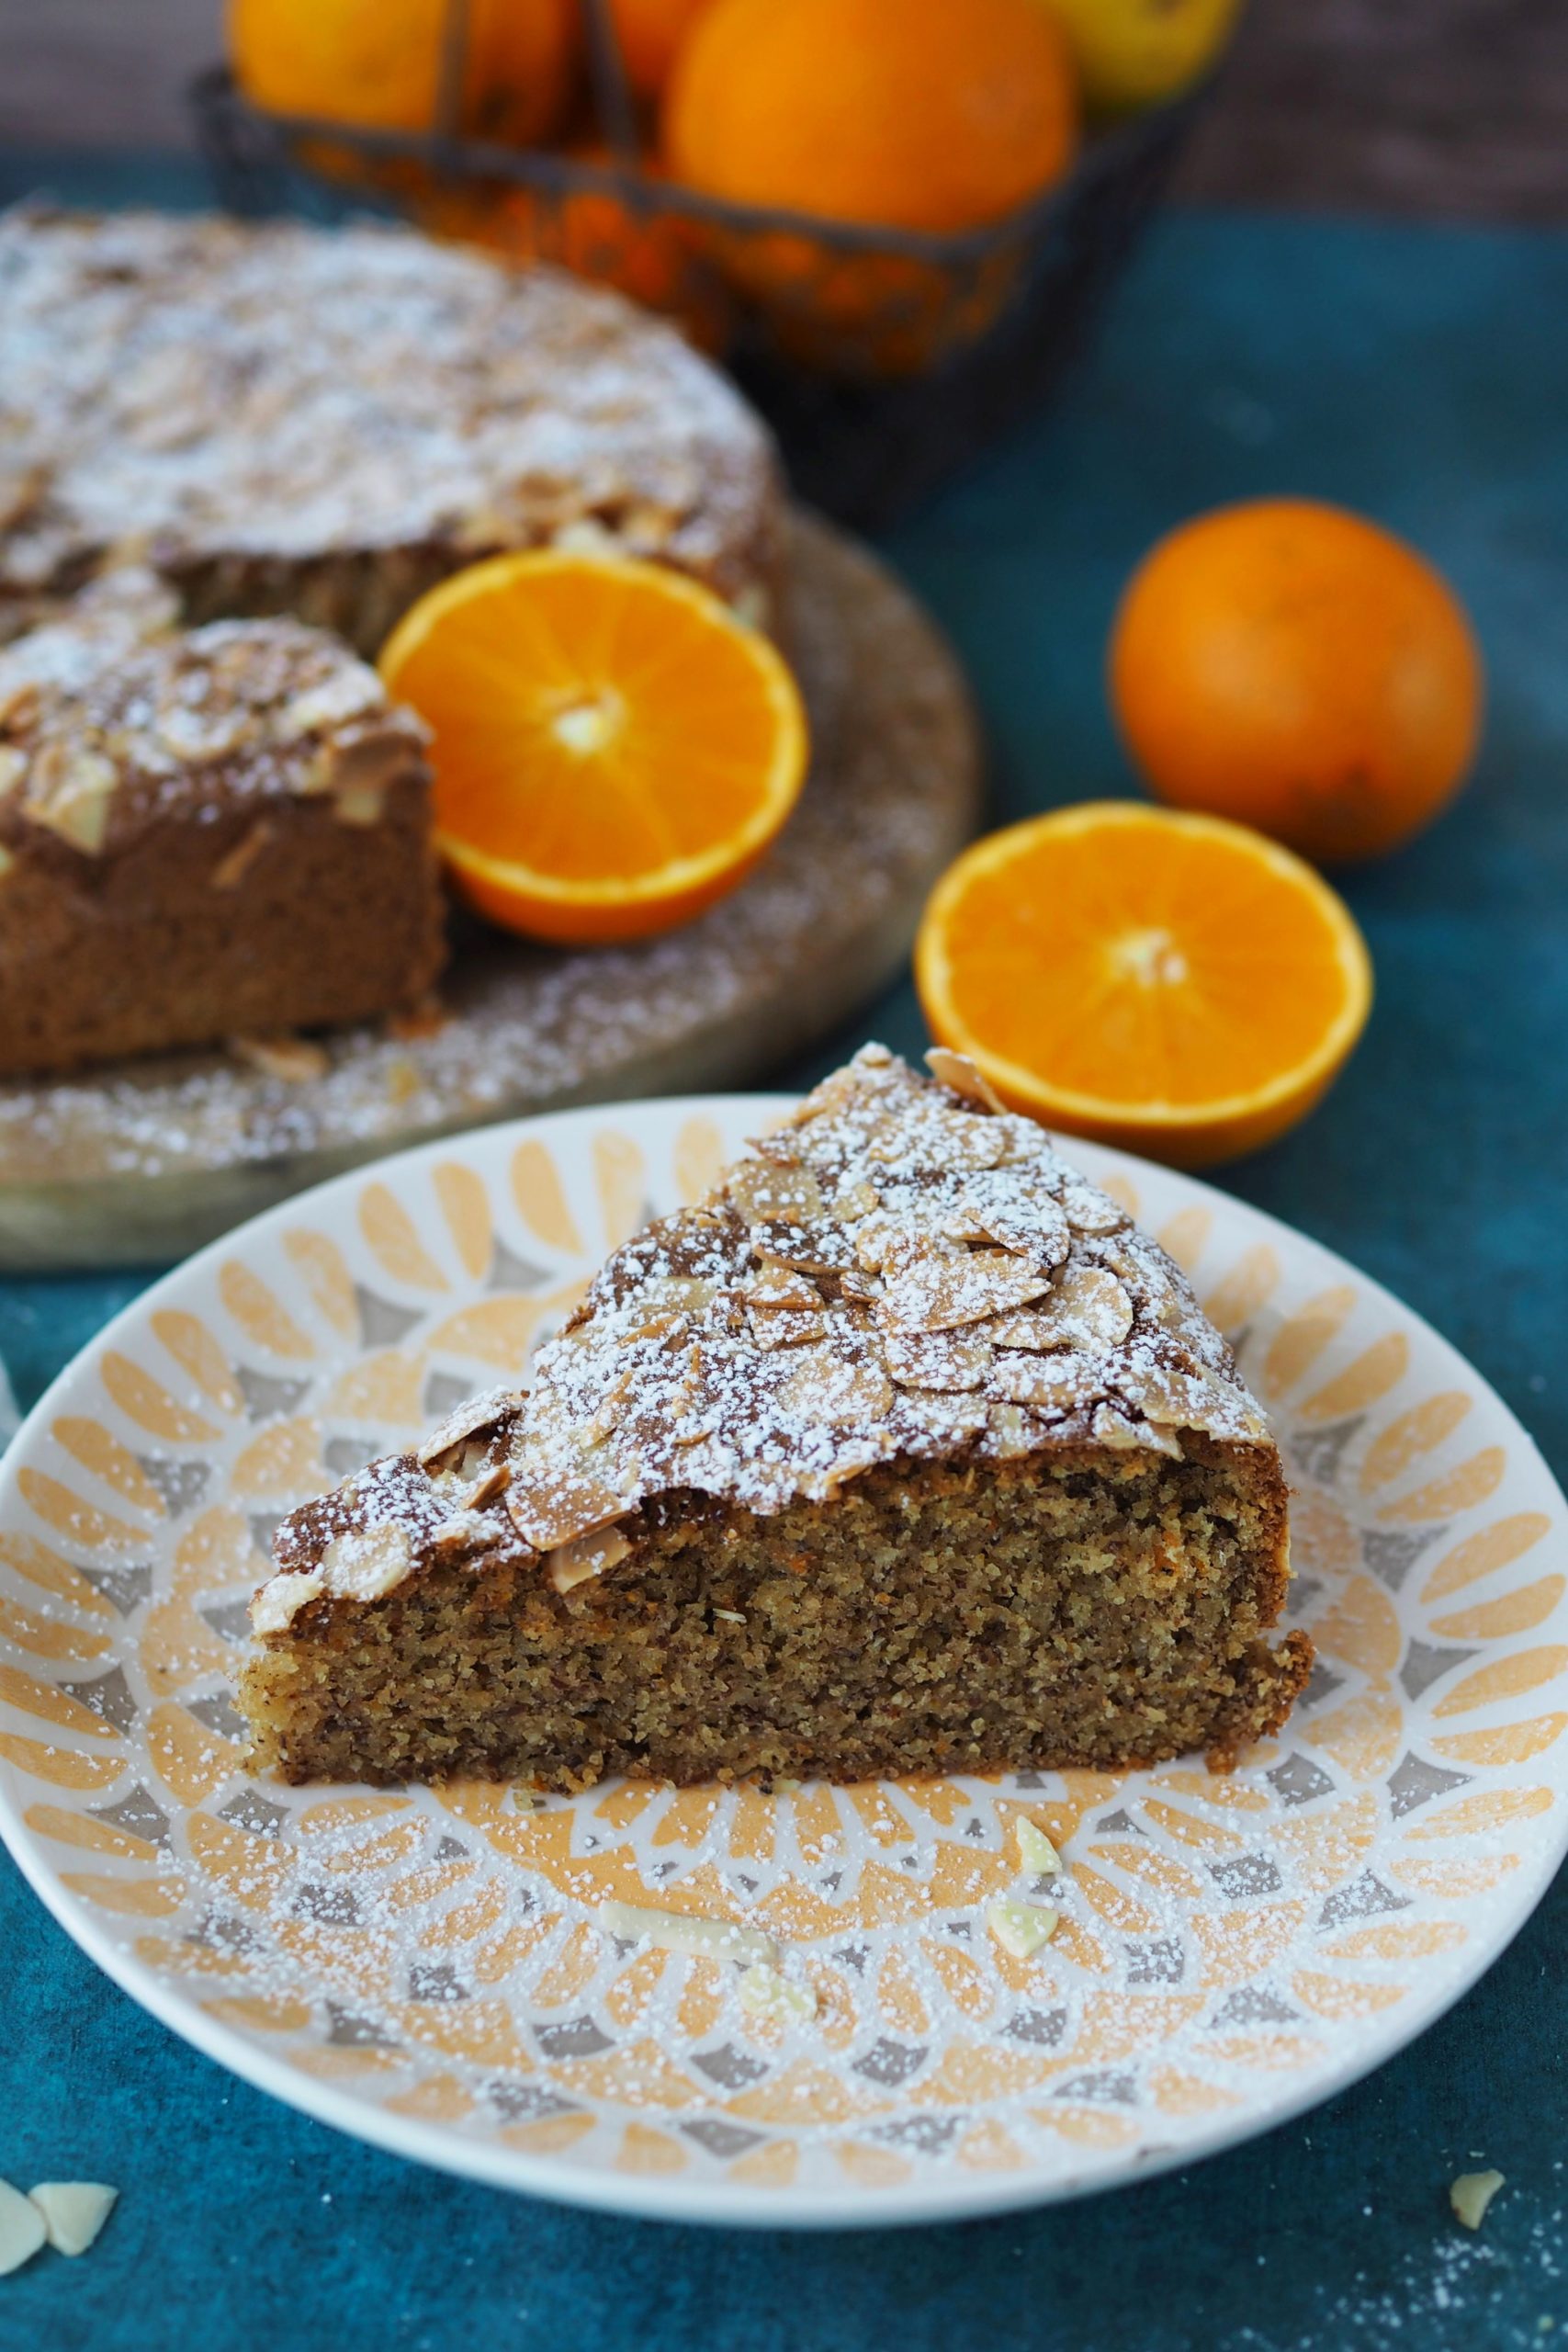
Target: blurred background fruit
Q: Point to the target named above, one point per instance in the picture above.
(1174, 984)
(601, 234)
(903, 115)
(650, 33)
(1135, 52)
(1288, 664)
(376, 65)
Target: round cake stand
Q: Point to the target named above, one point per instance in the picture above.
(143, 1161)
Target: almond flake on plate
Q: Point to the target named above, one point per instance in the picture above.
(680, 1931)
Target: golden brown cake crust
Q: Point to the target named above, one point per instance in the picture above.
(902, 1360)
(203, 834)
(287, 419)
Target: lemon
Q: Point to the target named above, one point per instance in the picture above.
(1134, 52)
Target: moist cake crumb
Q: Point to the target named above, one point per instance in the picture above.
(904, 1451)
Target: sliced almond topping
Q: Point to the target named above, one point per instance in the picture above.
(550, 1510)
(367, 1562)
(1086, 1308)
(1088, 1211)
(1129, 1433)
(295, 1060)
(282, 1597)
(351, 691)
(1185, 1400)
(941, 1360)
(961, 1076)
(681, 1931)
(836, 1389)
(232, 869)
(584, 1557)
(1041, 1381)
(781, 1286)
(855, 1201)
(474, 1413)
(69, 791)
(928, 1292)
(494, 1482)
(765, 1194)
(787, 1328)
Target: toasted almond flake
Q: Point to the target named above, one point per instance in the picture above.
(1041, 1381)
(298, 1061)
(282, 1597)
(22, 2229)
(856, 1201)
(352, 690)
(1020, 1928)
(730, 1616)
(945, 1361)
(232, 869)
(70, 792)
(785, 1328)
(1088, 1211)
(465, 1420)
(1185, 1400)
(927, 1290)
(495, 1481)
(73, 2212)
(573, 1563)
(780, 1287)
(366, 1562)
(766, 1993)
(765, 1192)
(838, 1390)
(361, 804)
(961, 1076)
(680, 1931)
(1471, 2195)
(1035, 1851)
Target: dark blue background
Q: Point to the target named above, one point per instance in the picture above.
(1421, 376)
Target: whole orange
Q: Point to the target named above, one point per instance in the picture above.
(376, 65)
(1289, 665)
(904, 114)
(650, 33)
(887, 114)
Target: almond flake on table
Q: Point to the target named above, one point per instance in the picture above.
(1020, 1928)
(73, 2212)
(1470, 2194)
(22, 2229)
(681, 1931)
(1035, 1851)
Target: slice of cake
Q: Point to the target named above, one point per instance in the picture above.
(280, 418)
(204, 834)
(904, 1452)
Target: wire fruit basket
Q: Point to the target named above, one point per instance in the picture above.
(886, 361)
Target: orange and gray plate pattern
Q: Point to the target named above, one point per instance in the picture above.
(431, 1970)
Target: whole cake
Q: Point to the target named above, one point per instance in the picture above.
(205, 833)
(903, 1452)
(324, 422)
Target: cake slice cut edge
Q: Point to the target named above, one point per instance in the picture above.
(903, 1452)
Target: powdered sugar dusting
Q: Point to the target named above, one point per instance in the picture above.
(282, 391)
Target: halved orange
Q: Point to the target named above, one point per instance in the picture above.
(613, 749)
(1174, 983)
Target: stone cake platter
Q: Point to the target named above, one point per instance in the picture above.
(143, 1161)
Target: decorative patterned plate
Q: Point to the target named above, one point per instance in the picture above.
(424, 1969)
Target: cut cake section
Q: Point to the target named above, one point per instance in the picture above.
(903, 1452)
(204, 834)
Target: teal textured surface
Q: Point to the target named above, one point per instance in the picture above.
(1421, 376)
